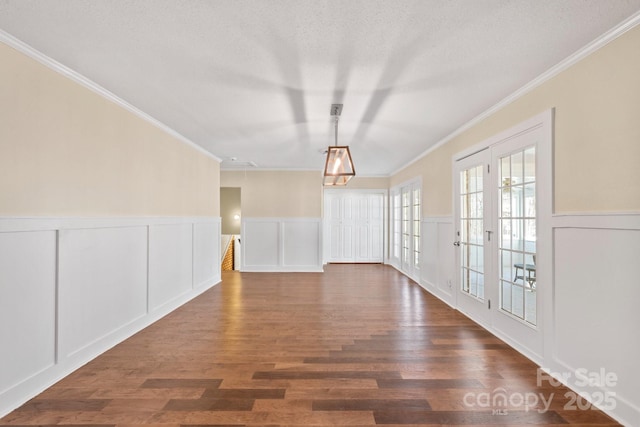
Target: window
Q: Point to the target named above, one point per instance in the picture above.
(406, 213)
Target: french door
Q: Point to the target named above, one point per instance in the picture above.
(497, 199)
(473, 234)
(408, 219)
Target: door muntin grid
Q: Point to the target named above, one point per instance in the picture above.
(416, 226)
(406, 224)
(517, 234)
(397, 218)
(472, 232)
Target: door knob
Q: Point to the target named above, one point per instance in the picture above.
(456, 243)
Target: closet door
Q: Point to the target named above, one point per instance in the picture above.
(354, 224)
(339, 223)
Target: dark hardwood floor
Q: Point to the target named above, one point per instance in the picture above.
(357, 345)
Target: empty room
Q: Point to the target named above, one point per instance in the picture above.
(319, 212)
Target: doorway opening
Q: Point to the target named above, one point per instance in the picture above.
(231, 220)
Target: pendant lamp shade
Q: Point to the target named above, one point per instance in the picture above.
(338, 169)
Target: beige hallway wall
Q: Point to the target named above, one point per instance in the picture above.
(597, 135)
(66, 151)
(272, 194)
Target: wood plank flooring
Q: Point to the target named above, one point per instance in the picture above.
(357, 345)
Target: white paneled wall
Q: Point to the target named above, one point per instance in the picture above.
(170, 263)
(300, 240)
(102, 284)
(27, 306)
(71, 288)
(206, 244)
(282, 244)
(596, 306)
(437, 258)
(590, 312)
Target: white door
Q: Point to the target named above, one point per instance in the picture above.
(363, 233)
(501, 195)
(408, 216)
(515, 220)
(473, 234)
(354, 224)
(369, 227)
(339, 221)
(376, 227)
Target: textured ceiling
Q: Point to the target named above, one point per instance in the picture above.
(255, 79)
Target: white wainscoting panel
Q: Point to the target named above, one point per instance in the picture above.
(261, 245)
(596, 311)
(438, 257)
(300, 244)
(27, 305)
(102, 284)
(71, 288)
(206, 253)
(282, 244)
(170, 262)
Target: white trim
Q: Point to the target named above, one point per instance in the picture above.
(438, 219)
(13, 224)
(260, 169)
(571, 60)
(410, 181)
(333, 190)
(76, 77)
(614, 221)
(507, 134)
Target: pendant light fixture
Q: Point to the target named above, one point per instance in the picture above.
(338, 169)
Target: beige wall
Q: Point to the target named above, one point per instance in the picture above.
(365, 183)
(597, 135)
(66, 151)
(277, 193)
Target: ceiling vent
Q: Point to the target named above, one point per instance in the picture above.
(235, 163)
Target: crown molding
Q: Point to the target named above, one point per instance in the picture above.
(571, 60)
(76, 77)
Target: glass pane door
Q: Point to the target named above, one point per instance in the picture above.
(471, 216)
(406, 230)
(503, 205)
(517, 225)
(417, 215)
(397, 218)
(473, 223)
